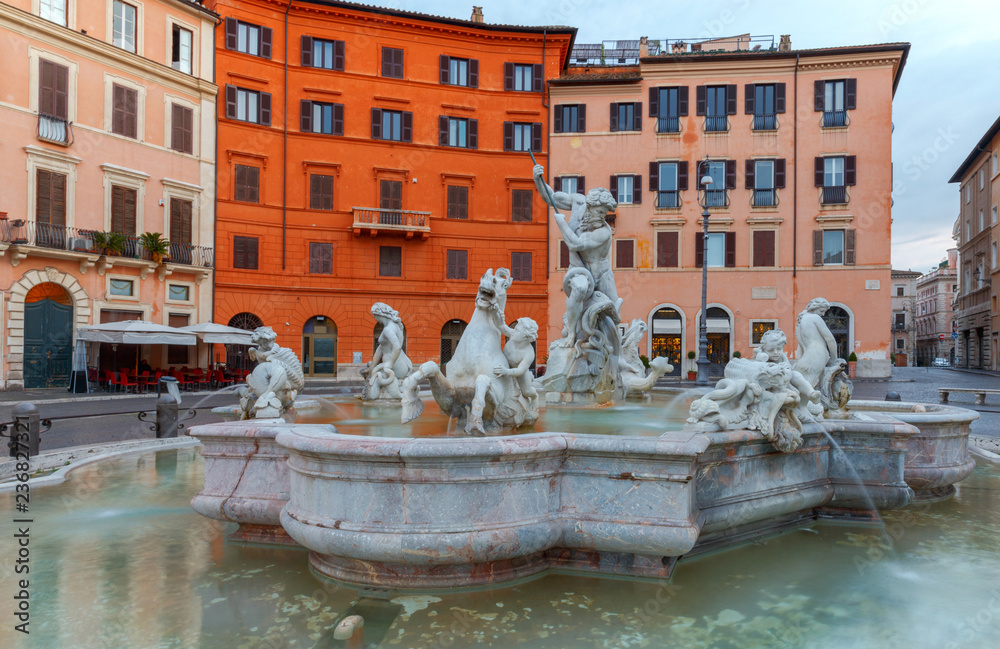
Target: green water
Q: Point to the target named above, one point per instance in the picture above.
(118, 559)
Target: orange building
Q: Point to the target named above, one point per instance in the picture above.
(370, 154)
(798, 144)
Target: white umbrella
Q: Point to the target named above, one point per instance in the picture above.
(211, 332)
(136, 332)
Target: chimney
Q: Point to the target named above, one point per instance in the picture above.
(477, 14)
(643, 46)
(786, 43)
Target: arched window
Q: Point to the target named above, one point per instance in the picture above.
(236, 355)
(451, 333)
(319, 346)
(838, 320)
(719, 329)
(246, 321)
(667, 337)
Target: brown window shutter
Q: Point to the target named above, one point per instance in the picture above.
(850, 170)
(338, 119)
(682, 175)
(239, 252)
(253, 185)
(265, 42)
(654, 176)
(581, 184)
(730, 174)
(315, 258)
(338, 64)
(117, 208)
(557, 183)
(581, 118)
(819, 170)
(701, 103)
(817, 247)
(445, 72)
(763, 248)
(46, 87)
(117, 109)
(130, 208)
(57, 194)
(749, 98)
(682, 101)
(851, 94)
(819, 95)
(442, 130)
(557, 119)
(637, 116)
(232, 35)
(654, 102)
(614, 117)
(252, 253)
(387, 62)
(637, 189)
(536, 77)
(131, 113)
(181, 224)
(666, 250)
(624, 253)
(61, 95)
(473, 131)
(536, 137)
(508, 136)
(563, 254)
(187, 121)
(407, 134)
(508, 76)
(376, 123)
(731, 99)
(307, 51)
(779, 98)
(43, 196)
(230, 101)
(305, 121)
(239, 183)
(463, 264)
(613, 187)
(849, 246)
(699, 249)
(473, 79)
(265, 108)
(779, 173)
(730, 250)
(750, 171)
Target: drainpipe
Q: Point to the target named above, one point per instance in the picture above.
(548, 147)
(795, 176)
(284, 148)
(215, 199)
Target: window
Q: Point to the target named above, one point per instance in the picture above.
(121, 287)
(721, 249)
(54, 10)
(245, 252)
(764, 102)
(522, 77)
(667, 250)
(178, 292)
(760, 327)
(248, 38)
(833, 247)
(668, 180)
(968, 193)
(180, 230)
(520, 266)
(458, 202)
(459, 72)
(521, 200)
(319, 53)
(457, 264)
(834, 99)
(519, 136)
(53, 90)
(716, 249)
(994, 215)
(247, 184)
(570, 118)
(320, 258)
(180, 50)
(319, 117)
(458, 132)
(123, 26)
(718, 171)
(900, 320)
(248, 105)
(763, 248)
(834, 175)
(563, 254)
(716, 103)
(124, 111)
(982, 178)
(900, 343)
(392, 62)
(391, 194)
(624, 253)
(900, 291)
(570, 184)
(993, 255)
(392, 125)
(123, 210)
(626, 116)
(390, 261)
(968, 230)
(626, 190)
(181, 128)
(765, 177)
(668, 105)
(50, 201)
(320, 192)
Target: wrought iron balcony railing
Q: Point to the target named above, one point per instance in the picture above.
(834, 118)
(668, 199)
(834, 195)
(668, 124)
(765, 197)
(767, 122)
(716, 123)
(55, 130)
(716, 198)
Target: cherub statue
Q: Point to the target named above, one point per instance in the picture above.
(519, 354)
(772, 350)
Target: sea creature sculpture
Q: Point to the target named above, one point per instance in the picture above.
(272, 385)
(389, 365)
(635, 377)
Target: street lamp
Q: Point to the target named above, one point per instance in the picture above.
(702, 378)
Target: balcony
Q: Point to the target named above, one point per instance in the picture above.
(378, 220)
(716, 198)
(669, 199)
(835, 195)
(835, 119)
(668, 124)
(765, 122)
(716, 124)
(55, 130)
(765, 198)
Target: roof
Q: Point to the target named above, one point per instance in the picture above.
(197, 4)
(983, 145)
(597, 78)
(904, 273)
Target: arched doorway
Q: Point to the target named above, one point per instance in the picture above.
(319, 347)
(378, 332)
(667, 337)
(236, 355)
(451, 333)
(48, 336)
(719, 328)
(838, 320)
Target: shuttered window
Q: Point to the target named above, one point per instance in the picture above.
(320, 258)
(390, 261)
(50, 197)
(626, 116)
(392, 63)
(53, 89)
(626, 190)
(522, 136)
(834, 247)
(520, 266)
(457, 264)
(180, 221)
(245, 252)
(721, 249)
(459, 72)
(391, 194)
(123, 25)
(124, 111)
(319, 117)
(521, 201)
(763, 248)
(392, 125)
(458, 202)
(523, 77)
(320, 192)
(667, 250)
(248, 38)
(458, 132)
(248, 105)
(247, 185)
(123, 207)
(570, 118)
(320, 53)
(181, 128)
(624, 253)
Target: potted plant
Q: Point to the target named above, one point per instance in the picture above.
(108, 243)
(852, 362)
(736, 354)
(692, 372)
(155, 245)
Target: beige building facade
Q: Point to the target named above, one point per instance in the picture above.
(936, 333)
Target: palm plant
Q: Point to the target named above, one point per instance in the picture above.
(109, 243)
(155, 245)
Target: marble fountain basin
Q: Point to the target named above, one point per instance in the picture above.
(437, 512)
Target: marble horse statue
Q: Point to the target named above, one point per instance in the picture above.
(272, 385)
(481, 398)
(816, 359)
(389, 365)
(636, 379)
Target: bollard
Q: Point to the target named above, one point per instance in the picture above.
(166, 416)
(27, 428)
(892, 396)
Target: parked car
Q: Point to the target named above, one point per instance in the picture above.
(941, 362)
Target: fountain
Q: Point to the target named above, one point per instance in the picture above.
(389, 365)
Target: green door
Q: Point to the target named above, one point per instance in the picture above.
(48, 344)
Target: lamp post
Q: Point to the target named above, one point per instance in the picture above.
(702, 378)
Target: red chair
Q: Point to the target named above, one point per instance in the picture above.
(182, 382)
(202, 378)
(111, 379)
(142, 379)
(128, 383)
(150, 382)
(220, 380)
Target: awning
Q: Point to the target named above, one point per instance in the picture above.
(211, 332)
(136, 332)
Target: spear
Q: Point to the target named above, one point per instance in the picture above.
(544, 184)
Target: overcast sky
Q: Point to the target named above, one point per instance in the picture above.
(948, 96)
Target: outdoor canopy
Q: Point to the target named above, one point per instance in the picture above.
(136, 332)
(211, 332)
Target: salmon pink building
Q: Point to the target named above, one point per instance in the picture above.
(797, 144)
(107, 111)
(375, 155)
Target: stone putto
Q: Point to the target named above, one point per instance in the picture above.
(272, 385)
(389, 365)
